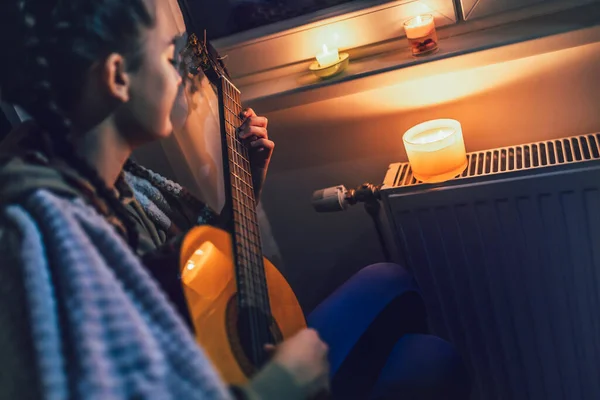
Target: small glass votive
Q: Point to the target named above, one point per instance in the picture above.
(436, 150)
(329, 63)
(421, 35)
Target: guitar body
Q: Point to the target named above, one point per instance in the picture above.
(210, 287)
(237, 300)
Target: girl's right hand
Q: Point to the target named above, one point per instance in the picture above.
(305, 357)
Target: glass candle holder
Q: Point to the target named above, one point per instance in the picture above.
(329, 63)
(421, 34)
(436, 150)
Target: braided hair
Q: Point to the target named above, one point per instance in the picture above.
(53, 44)
(200, 213)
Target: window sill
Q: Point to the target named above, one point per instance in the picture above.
(464, 45)
(263, 49)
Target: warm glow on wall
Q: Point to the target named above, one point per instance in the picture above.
(462, 81)
(442, 82)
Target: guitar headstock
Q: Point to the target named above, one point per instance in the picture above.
(199, 56)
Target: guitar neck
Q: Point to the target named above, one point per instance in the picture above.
(241, 204)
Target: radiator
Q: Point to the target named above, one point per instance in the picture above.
(508, 258)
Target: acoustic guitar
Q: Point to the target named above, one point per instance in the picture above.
(238, 301)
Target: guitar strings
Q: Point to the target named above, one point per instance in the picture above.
(263, 299)
(246, 293)
(245, 228)
(265, 304)
(243, 284)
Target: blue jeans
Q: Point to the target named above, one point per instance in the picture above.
(376, 328)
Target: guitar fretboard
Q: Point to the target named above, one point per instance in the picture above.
(252, 287)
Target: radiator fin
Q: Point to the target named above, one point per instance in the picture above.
(523, 157)
(510, 269)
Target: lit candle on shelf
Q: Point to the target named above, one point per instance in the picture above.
(328, 57)
(421, 34)
(329, 63)
(436, 150)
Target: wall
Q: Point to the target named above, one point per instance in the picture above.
(342, 141)
(352, 139)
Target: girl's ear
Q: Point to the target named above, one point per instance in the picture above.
(115, 78)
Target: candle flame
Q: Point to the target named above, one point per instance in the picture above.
(325, 50)
(418, 20)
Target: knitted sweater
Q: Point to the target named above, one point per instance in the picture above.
(80, 315)
(83, 283)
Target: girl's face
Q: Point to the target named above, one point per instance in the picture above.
(154, 85)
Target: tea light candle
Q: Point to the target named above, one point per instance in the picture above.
(436, 150)
(329, 63)
(328, 57)
(421, 34)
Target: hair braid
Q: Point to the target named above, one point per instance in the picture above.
(43, 27)
(201, 212)
(162, 183)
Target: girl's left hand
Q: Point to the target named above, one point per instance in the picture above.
(254, 130)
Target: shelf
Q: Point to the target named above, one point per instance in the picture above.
(465, 45)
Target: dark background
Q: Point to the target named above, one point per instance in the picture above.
(226, 17)
(4, 126)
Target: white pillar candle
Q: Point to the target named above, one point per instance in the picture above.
(436, 150)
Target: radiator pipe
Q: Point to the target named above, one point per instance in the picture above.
(338, 198)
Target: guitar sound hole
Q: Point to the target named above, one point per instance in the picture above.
(252, 319)
(238, 325)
